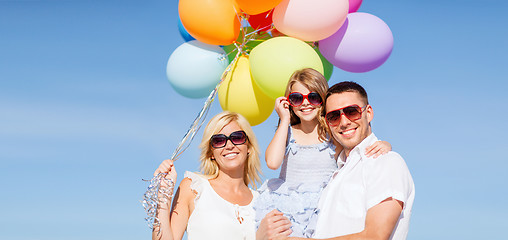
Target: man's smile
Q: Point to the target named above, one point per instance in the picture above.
(348, 133)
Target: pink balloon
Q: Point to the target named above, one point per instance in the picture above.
(362, 44)
(310, 20)
(354, 5)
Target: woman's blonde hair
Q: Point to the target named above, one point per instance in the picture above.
(315, 82)
(210, 167)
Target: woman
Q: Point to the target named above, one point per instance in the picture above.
(217, 203)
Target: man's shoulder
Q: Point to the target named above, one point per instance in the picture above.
(389, 171)
(390, 160)
(389, 156)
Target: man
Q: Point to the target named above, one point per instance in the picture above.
(366, 198)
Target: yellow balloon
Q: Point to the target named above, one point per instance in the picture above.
(239, 93)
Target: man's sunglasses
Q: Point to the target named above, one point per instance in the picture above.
(220, 140)
(296, 98)
(352, 112)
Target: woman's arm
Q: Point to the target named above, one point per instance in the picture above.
(163, 230)
(172, 224)
(277, 148)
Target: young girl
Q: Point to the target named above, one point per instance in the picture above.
(307, 155)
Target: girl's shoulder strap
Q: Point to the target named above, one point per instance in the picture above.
(290, 141)
(290, 133)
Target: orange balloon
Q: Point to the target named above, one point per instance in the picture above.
(211, 21)
(253, 7)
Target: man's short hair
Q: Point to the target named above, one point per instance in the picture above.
(348, 86)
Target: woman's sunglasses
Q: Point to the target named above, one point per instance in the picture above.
(352, 112)
(296, 98)
(220, 140)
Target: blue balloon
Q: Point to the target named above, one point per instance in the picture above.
(185, 35)
(195, 68)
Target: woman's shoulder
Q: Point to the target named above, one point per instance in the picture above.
(193, 179)
(186, 183)
(194, 176)
(194, 183)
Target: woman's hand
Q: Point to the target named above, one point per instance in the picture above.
(378, 148)
(167, 167)
(282, 109)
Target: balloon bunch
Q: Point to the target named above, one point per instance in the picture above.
(263, 42)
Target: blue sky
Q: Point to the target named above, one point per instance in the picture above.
(86, 112)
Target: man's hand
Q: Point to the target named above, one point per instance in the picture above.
(274, 226)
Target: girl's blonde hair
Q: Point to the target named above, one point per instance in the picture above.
(210, 167)
(315, 82)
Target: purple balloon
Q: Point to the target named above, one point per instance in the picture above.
(363, 43)
(354, 5)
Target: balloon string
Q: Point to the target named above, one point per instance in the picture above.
(246, 36)
(236, 48)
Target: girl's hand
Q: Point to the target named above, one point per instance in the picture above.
(378, 148)
(168, 167)
(282, 109)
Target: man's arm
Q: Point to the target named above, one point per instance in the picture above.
(379, 222)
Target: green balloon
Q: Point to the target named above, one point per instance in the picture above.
(230, 52)
(274, 61)
(327, 66)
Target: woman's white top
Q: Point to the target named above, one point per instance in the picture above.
(215, 218)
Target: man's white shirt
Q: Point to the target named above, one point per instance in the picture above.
(360, 183)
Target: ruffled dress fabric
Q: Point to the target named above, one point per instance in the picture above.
(215, 218)
(305, 171)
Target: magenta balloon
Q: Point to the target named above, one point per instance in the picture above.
(362, 44)
(354, 5)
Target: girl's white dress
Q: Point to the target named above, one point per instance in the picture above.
(215, 218)
(305, 171)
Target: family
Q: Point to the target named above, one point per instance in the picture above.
(337, 180)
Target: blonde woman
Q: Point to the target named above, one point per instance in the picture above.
(215, 204)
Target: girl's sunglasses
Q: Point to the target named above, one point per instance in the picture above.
(220, 140)
(296, 98)
(352, 112)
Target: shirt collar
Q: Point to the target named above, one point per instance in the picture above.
(359, 150)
